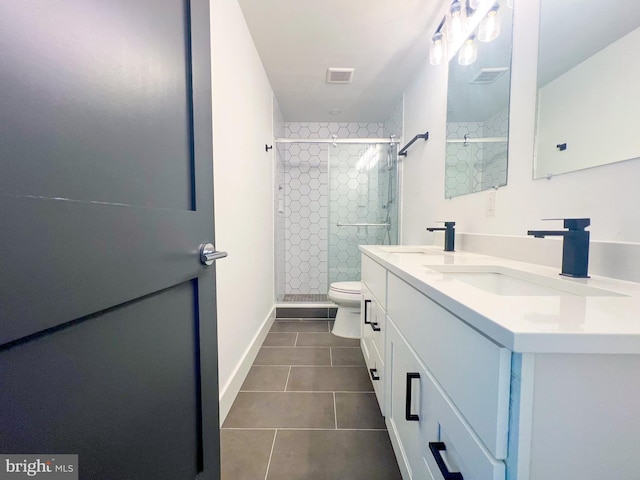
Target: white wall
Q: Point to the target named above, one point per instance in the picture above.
(577, 109)
(425, 109)
(607, 194)
(244, 218)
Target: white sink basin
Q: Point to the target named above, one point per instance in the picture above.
(410, 249)
(510, 282)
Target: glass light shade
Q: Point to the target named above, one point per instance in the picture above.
(489, 28)
(456, 22)
(437, 49)
(468, 51)
(474, 4)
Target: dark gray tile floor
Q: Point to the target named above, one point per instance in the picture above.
(307, 411)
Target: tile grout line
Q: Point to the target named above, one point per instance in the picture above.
(304, 346)
(273, 444)
(305, 365)
(307, 429)
(309, 391)
(279, 353)
(310, 365)
(286, 384)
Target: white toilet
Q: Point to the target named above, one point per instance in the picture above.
(347, 296)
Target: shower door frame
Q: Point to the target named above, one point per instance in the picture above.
(336, 141)
(349, 275)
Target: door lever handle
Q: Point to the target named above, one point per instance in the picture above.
(209, 254)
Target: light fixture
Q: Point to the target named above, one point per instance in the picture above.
(468, 51)
(437, 49)
(456, 22)
(455, 33)
(490, 25)
(475, 4)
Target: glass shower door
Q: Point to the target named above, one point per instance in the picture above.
(363, 206)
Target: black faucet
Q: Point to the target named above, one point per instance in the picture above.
(449, 235)
(575, 246)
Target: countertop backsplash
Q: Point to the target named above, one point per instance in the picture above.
(620, 260)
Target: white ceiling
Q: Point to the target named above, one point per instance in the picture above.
(386, 41)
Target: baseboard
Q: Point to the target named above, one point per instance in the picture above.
(229, 392)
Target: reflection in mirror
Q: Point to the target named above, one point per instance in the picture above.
(478, 107)
(588, 99)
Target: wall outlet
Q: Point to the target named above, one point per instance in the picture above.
(491, 203)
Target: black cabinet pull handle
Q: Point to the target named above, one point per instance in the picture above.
(374, 326)
(373, 372)
(410, 417)
(436, 448)
(365, 312)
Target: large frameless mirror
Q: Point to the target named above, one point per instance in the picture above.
(588, 98)
(478, 97)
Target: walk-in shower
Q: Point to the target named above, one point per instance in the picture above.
(332, 195)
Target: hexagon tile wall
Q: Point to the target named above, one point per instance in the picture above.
(306, 202)
(303, 209)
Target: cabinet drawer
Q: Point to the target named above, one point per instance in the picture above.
(375, 278)
(375, 366)
(473, 371)
(376, 326)
(405, 405)
(366, 311)
(366, 345)
(376, 370)
(455, 442)
(379, 327)
(373, 320)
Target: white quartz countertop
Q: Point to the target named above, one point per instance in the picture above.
(557, 321)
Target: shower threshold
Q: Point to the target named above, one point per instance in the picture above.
(305, 297)
(306, 306)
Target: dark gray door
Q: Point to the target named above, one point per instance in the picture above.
(107, 317)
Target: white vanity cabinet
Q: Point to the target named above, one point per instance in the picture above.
(373, 325)
(460, 405)
(406, 420)
(372, 322)
(433, 359)
(472, 370)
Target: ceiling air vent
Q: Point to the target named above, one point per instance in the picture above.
(489, 75)
(339, 75)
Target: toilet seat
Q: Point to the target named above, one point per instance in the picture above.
(347, 287)
(346, 293)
